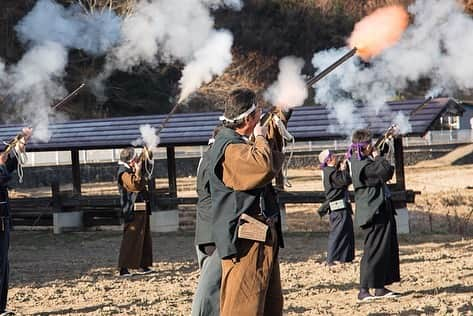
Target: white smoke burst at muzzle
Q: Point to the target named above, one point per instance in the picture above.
(437, 46)
(402, 121)
(149, 138)
(290, 89)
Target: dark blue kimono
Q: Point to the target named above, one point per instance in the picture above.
(5, 226)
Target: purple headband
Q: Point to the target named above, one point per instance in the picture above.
(357, 148)
(323, 164)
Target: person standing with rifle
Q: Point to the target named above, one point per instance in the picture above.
(375, 215)
(207, 295)
(244, 225)
(10, 160)
(136, 251)
(336, 179)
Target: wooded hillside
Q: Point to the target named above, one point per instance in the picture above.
(264, 31)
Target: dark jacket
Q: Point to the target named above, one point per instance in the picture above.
(6, 171)
(203, 229)
(127, 198)
(369, 181)
(228, 204)
(336, 183)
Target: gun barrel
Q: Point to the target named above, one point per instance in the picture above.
(167, 118)
(379, 141)
(391, 131)
(330, 68)
(69, 96)
(420, 107)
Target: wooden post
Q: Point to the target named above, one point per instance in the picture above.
(399, 163)
(76, 183)
(55, 197)
(280, 181)
(172, 178)
(152, 193)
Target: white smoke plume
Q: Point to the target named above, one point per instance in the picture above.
(33, 84)
(71, 27)
(290, 89)
(402, 121)
(148, 137)
(3, 75)
(435, 46)
(167, 30)
(210, 60)
(215, 4)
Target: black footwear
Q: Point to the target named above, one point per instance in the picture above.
(145, 271)
(7, 313)
(385, 293)
(124, 272)
(364, 296)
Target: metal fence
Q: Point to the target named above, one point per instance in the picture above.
(111, 155)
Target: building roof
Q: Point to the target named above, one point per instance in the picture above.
(306, 123)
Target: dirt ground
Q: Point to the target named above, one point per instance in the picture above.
(75, 274)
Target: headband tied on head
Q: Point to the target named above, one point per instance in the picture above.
(239, 117)
(357, 148)
(324, 162)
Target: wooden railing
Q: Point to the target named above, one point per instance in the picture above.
(105, 209)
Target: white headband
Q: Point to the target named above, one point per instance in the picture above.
(239, 117)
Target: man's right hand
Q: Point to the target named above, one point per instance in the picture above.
(27, 132)
(137, 166)
(260, 130)
(375, 153)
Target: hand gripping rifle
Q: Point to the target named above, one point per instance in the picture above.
(12, 143)
(147, 162)
(146, 156)
(382, 142)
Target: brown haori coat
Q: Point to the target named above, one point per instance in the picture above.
(136, 250)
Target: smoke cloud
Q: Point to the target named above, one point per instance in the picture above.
(208, 61)
(379, 30)
(215, 4)
(71, 27)
(168, 30)
(31, 86)
(34, 82)
(290, 89)
(148, 137)
(435, 46)
(157, 31)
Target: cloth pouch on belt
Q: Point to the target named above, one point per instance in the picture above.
(251, 228)
(337, 205)
(140, 206)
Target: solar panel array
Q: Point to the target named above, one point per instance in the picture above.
(306, 123)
